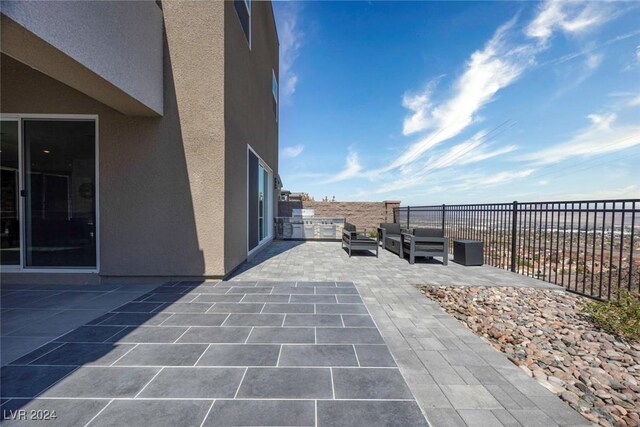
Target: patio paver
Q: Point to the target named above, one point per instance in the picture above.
(456, 377)
(266, 361)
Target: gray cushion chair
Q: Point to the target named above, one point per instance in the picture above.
(390, 234)
(357, 242)
(425, 242)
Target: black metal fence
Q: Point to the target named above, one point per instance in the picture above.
(589, 247)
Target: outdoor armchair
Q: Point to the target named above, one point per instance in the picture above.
(390, 234)
(354, 241)
(425, 242)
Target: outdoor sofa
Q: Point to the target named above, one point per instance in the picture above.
(425, 242)
(357, 242)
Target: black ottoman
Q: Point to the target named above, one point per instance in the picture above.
(468, 252)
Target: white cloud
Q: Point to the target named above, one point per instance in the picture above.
(471, 151)
(638, 53)
(290, 43)
(351, 169)
(291, 152)
(600, 137)
(635, 102)
(488, 71)
(570, 17)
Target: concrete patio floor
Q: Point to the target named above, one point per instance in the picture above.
(225, 353)
(457, 378)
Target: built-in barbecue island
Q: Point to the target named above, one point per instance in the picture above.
(309, 228)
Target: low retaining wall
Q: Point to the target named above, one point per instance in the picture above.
(365, 215)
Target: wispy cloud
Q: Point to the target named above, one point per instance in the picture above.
(290, 37)
(488, 71)
(635, 102)
(570, 17)
(291, 152)
(351, 169)
(471, 151)
(602, 136)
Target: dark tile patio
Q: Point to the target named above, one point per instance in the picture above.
(219, 353)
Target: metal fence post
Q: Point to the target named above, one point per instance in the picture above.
(514, 229)
(443, 218)
(408, 214)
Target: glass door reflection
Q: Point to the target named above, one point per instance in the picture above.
(60, 205)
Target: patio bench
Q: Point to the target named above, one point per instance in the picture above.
(425, 242)
(357, 242)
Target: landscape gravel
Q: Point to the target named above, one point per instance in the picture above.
(544, 333)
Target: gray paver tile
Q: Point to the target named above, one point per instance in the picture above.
(315, 299)
(336, 291)
(358, 320)
(29, 381)
(370, 383)
(195, 319)
(305, 383)
(215, 334)
(219, 298)
(184, 307)
(289, 308)
(148, 334)
(135, 319)
(230, 307)
(265, 298)
(282, 335)
(317, 355)
(262, 412)
(163, 355)
(249, 290)
(348, 336)
(138, 307)
(349, 299)
(240, 355)
(254, 320)
(90, 334)
(470, 397)
(532, 418)
(319, 320)
(103, 382)
(371, 414)
(341, 308)
(181, 383)
(479, 418)
(374, 356)
(153, 413)
(79, 354)
(444, 417)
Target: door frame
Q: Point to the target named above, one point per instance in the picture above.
(269, 237)
(21, 268)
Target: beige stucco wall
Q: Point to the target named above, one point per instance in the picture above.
(110, 50)
(161, 179)
(249, 117)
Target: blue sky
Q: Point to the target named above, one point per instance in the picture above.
(460, 102)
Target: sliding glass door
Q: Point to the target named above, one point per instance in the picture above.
(49, 218)
(259, 201)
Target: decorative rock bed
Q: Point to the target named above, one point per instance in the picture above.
(543, 332)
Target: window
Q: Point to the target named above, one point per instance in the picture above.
(243, 9)
(274, 91)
